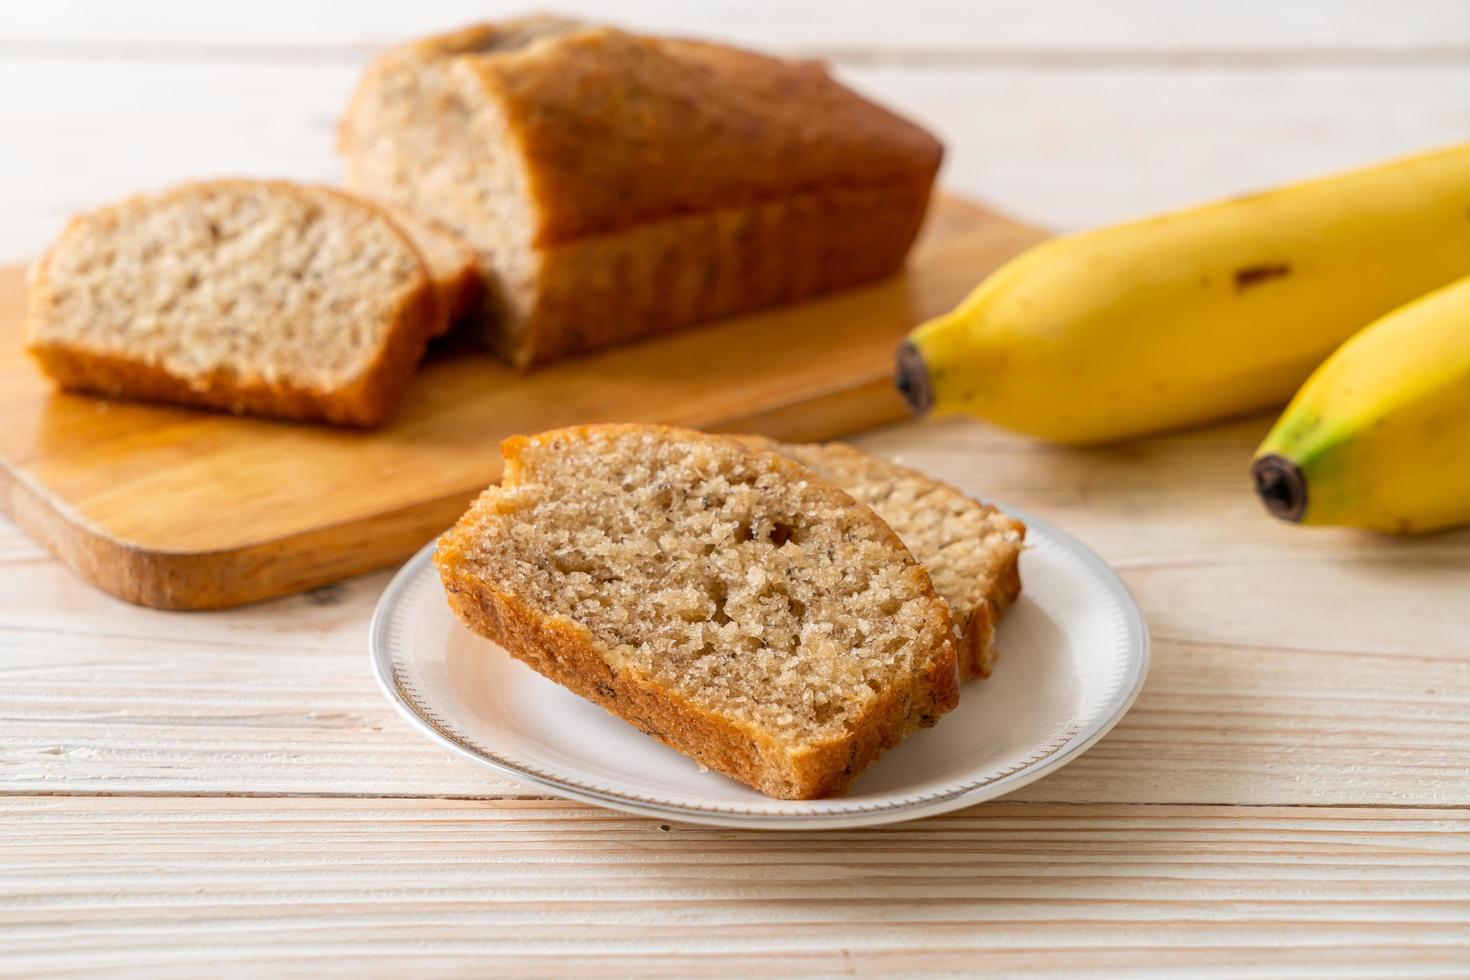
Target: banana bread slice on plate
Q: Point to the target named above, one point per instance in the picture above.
(971, 550)
(720, 598)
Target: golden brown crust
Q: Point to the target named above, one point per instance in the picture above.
(1002, 591)
(620, 129)
(662, 276)
(562, 651)
(568, 654)
(367, 401)
(668, 182)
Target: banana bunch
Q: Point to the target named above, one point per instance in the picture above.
(1227, 309)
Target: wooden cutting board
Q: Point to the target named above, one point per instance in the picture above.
(184, 509)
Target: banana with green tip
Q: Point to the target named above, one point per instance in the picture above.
(1379, 436)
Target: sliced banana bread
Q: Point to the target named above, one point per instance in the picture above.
(720, 598)
(617, 185)
(451, 262)
(252, 296)
(971, 550)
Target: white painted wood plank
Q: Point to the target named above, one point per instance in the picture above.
(98, 132)
(1061, 149)
(1289, 666)
(288, 887)
(989, 25)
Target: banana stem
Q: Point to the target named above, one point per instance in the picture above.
(1281, 485)
(911, 377)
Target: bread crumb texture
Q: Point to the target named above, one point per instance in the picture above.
(970, 549)
(231, 285)
(736, 582)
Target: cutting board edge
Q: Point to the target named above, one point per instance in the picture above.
(225, 577)
(258, 570)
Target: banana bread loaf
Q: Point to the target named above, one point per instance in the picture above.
(617, 185)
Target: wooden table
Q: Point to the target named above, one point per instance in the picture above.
(184, 793)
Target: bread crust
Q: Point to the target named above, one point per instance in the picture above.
(660, 277)
(619, 129)
(978, 649)
(667, 182)
(569, 654)
(367, 401)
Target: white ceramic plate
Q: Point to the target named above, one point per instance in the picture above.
(1073, 653)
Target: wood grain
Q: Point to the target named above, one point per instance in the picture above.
(537, 888)
(1059, 146)
(1290, 666)
(183, 509)
(319, 27)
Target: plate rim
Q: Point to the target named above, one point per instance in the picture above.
(1121, 701)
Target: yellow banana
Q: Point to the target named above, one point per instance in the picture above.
(1192, 316)
(1379, 436)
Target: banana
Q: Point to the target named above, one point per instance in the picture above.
(1192, 316)
(1379, 436)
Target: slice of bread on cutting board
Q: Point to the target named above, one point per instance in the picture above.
(253, 296)
(720, 598)
(451, 262)
(970, 549)
(617, 185)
